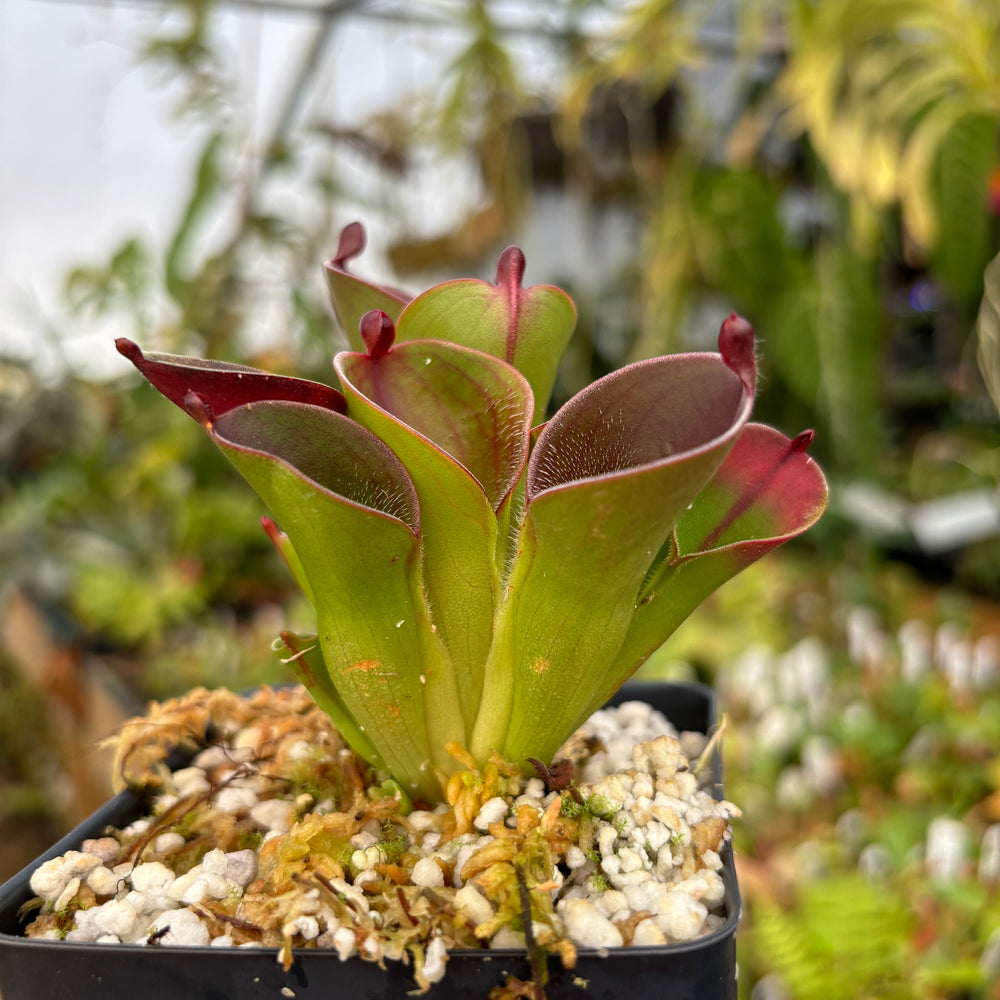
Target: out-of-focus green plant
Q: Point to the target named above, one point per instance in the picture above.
(989, 331)
(856, 143)
(844, 938)
(865, 762)
(122, 558)
(479, 583)
(901, 100)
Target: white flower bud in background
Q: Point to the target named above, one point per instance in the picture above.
(865, 640)
(779, 729)
(989, 856)
(821, 764)
(989, 961)
(954, 656)
(769, 988)
(808, 669)
(751, 680)
(874, 862)
(916, 650)
(986, 662)
(794, 791)
(851, 828)
(947, 848)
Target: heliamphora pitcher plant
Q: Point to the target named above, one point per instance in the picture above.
(484, 581)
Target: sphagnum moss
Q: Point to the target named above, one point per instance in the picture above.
(351, 872)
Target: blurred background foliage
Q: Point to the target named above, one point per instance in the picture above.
(829, 169)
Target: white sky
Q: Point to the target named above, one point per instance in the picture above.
(89, 157)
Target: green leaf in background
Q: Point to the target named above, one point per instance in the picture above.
(849, 335)
(865, 951)
(793, 352)
(526, 327)
(988, 331)
(209, 182)
(961, 184)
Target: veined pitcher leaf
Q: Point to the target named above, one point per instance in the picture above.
(351, 513)
(352, 296)
(767, 491)
(526, 327)
(459, 420)
(608, 479)
(223, 385)
(470, 405)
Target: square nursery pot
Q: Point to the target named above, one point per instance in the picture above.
(703, 969)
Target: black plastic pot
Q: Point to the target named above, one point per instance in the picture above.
(704, 969)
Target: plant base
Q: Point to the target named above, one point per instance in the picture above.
(704, 968)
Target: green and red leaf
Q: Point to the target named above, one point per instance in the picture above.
(766, 492)
(526, 327)
(475, 580)
(459, 420)
(223, 386)
(468, 404)
(352, 296)
(350, 510)
(609, 477)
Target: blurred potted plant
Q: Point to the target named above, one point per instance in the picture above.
(483, 582)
